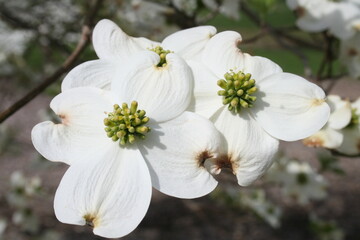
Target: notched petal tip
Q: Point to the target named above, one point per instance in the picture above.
(91, 220)
(313, 141)
(203, 156)
(317, 101)
(63, 119)
(215, 164)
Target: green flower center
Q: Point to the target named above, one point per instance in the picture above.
(237, 89)
(162, 54)
(302, 179)
(126, 124)
(355, 119)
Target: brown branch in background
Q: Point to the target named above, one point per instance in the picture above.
(65, 67)
(327, 62)
(339, 154)
(277, 32)
(180, 18)
(280, 37)
(254, 38)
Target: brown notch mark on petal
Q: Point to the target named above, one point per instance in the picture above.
(352, 52)
(317, 102)
(64, 119)
(226, 161)
(201, 157)
(300, 11)
(91, 220)
(313, 141)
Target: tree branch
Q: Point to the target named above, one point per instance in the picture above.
(275, 31)
(339, 154)
(65, 67)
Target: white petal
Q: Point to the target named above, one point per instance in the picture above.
(326, 137)
(206, 100)
(110, 189)
(290, 108)
(356, 105)
(260, 67)
(222, 53)
(111, 42)
(340, 112)
(96, 73)
(346, 17)
(351, 143)
(163, 92)
(312, 24)
(248, 147)
(176, 151)
(81, 131)
(189, 43)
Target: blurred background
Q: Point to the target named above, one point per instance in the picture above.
(309, 193)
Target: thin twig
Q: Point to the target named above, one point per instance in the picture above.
(339, 154)
(277, 32)
(254, 38)
(65, 67)
(280, 38)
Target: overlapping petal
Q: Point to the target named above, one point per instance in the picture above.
(206, 101)
(351, 143)
(110, 191)
(290, 108)
(259, 67)
(111, 42)
(81, 131)
(248, 147)
(340, 112)
(163, 92)
(189, 43)
(222, 53)
(96, 73)
(326, 137)
(176, 151)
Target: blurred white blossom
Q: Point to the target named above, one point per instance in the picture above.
(231, 9)
(351, 143)
(350, 55)
(268, 211)
(26, 220)
(187, 6)
(3, 225)
(326, 230)
(12, 42)
(342, 19)
(146, 18)
(298, 180)
(21, 189)
(330, 135)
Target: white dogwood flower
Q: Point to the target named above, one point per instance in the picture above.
(345, 20)
(351, 143)
(114, 47)
(298, 180)
(258, 104)
(117, 151)
(350, 55)
(342, 19)
(330, 135)
(313, 15)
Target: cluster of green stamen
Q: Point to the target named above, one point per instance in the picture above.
(302, 178)
(162, 54)
(355, 119)
(236, 90)
(126, 124)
